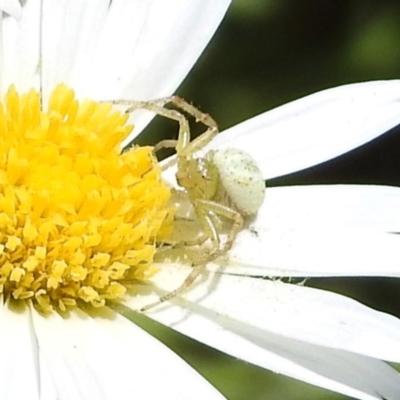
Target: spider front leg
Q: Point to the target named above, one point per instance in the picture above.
(209, 222)
(183, 145)
(208, 213)
(196, 271)
(157, 107)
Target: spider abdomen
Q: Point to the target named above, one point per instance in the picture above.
(241, 179)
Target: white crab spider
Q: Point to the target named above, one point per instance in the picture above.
(222, 184)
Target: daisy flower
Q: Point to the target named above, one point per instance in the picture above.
(71, 227)
(79, 220)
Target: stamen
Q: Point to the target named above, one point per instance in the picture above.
(77, 218)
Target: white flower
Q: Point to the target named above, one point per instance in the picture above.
(140, 50)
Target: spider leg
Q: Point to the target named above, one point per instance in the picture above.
(183, 144)
(207, 212)
(196, 271)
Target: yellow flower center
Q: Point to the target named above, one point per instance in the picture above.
(78, 220)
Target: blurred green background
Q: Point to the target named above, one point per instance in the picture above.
(267, 53)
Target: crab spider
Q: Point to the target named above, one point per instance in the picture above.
(224, 183)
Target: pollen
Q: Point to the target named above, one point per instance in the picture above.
(78, 219)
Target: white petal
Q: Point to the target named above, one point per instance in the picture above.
(147, 48)
(70, 31)
(336, 230)
(164, 42)
(316, 128)
(262, 321)
(108, 357)
(19, 49)
(11, 7)
(19, 363)
(328, 207)
(306, 253)
(128, 49)
(311, 315)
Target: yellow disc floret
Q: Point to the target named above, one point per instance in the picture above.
(78, 220)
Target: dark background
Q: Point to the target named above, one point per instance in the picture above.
(265, 54)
